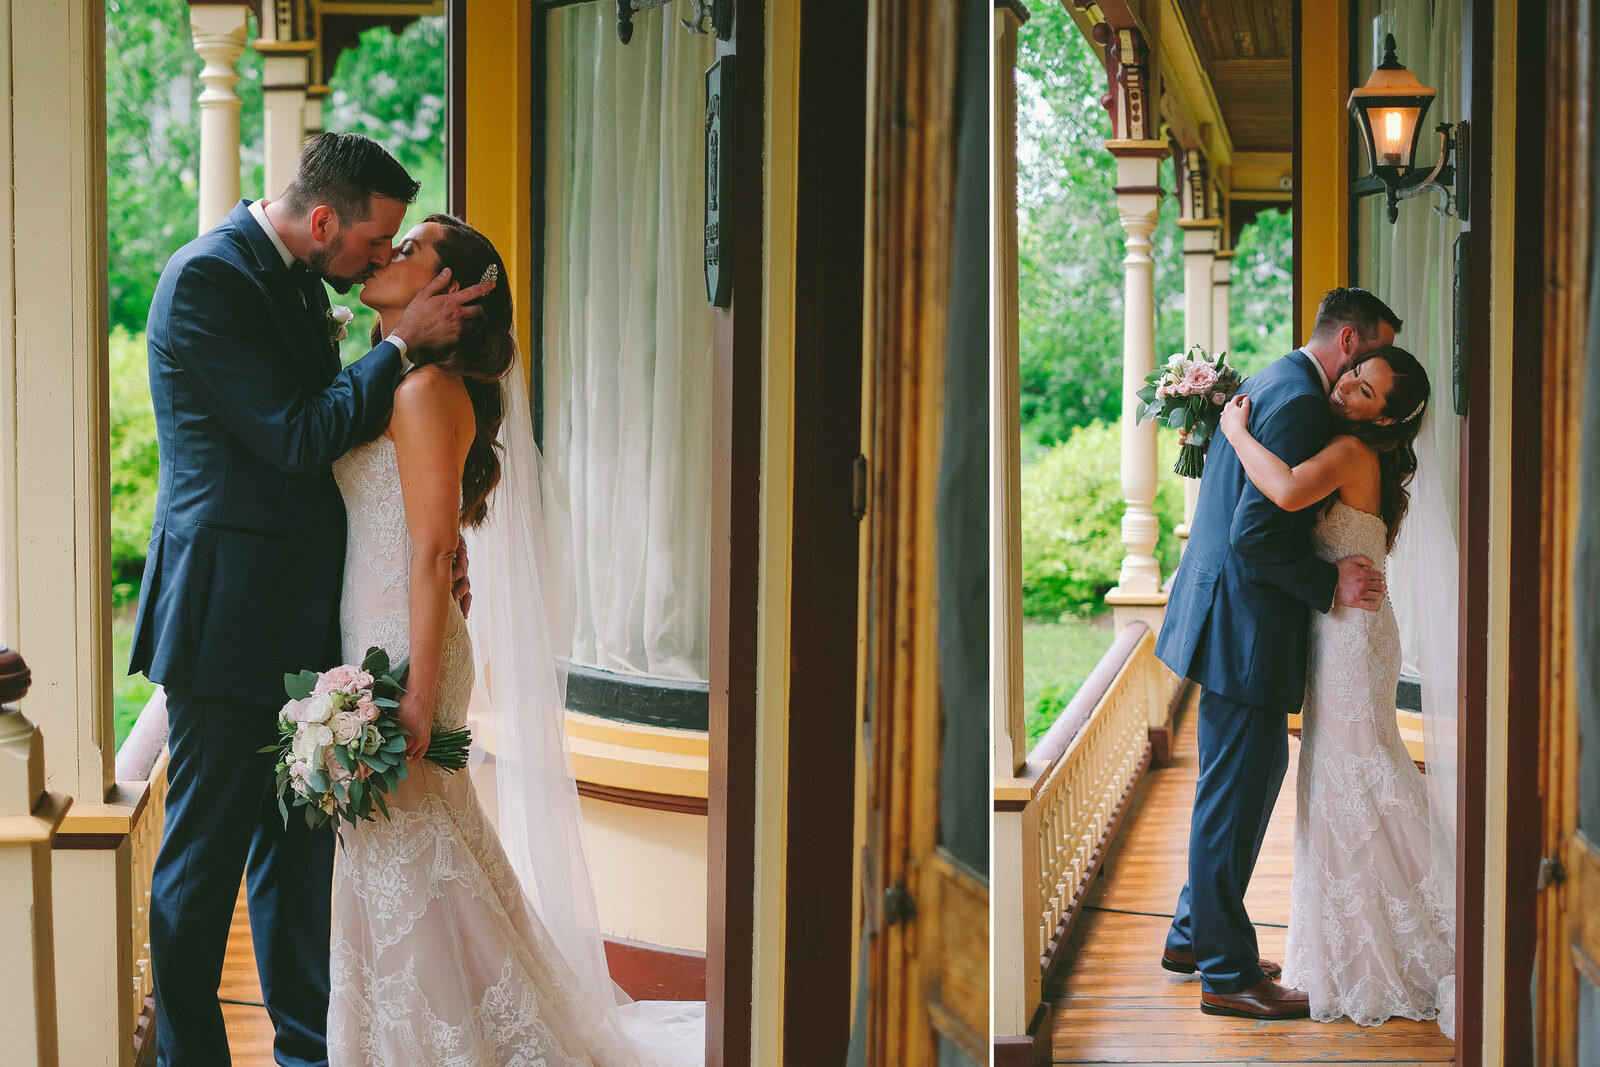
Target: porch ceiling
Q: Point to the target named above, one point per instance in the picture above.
(1246, 48)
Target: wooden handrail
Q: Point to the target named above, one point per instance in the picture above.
(1053, 745)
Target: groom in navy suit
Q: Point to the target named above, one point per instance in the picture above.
(246, 560)
(1236, 623)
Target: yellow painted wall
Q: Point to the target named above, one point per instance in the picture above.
(500, 139)
(1322, 258)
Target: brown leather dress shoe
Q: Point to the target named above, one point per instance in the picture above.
(1183, 963)
(1264, 1000)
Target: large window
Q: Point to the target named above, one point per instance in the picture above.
(1410, 263)
(624, 370)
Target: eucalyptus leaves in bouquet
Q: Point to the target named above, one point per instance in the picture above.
(1188, 394)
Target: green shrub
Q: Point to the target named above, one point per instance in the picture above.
(1072, 509)
(134, 461)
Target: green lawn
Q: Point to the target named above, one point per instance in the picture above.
(1056, 660)
(131, 693)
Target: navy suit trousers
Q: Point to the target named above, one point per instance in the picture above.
(1244, 754)
(222, 820)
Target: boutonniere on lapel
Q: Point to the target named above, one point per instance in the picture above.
(339, 317)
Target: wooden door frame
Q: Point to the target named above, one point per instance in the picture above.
(1472, 727)
(736, 569)
(1528, 615)
(830, 233)
(1566, 73)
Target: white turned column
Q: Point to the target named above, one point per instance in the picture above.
(29, 817)
(219, 38)
(1138, 592)
(1199, 253)
(285, 68)
(1221, 288)
(1010, 742)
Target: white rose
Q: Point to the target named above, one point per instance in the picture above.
(320, 707)
(323, 735)
(346, 727)
(1175, 360)
(287, 714)
(305, 743)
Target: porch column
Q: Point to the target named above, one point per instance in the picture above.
(1138, 592)
(54, 500)
(284, 73)
(1199, 250)
(316, 96)
(29, 817)
(1135, 119)
(219, 37)
(1014, 878)
(1221, 289)
(1009, 732)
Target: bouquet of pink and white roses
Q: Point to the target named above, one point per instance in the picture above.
(341, 744)
(1189, 393)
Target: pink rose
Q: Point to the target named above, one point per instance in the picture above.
(366, 710)
(1162, 392)
(1219, 398)
(1199, 379)
(344, 679)
(336, 770)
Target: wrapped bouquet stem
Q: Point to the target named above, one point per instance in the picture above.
(1188, 394)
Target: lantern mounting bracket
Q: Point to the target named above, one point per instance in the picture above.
(1394, 95)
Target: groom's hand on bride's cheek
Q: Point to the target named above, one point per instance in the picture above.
(434, 317)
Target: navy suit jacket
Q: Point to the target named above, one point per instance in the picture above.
(1240, 604)
(246, 559)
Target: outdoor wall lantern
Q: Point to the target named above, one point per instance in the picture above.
(1389, 109)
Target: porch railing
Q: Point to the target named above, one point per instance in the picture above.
(143, 758)
(1054, 821)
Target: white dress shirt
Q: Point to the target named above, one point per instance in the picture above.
(1322, 375)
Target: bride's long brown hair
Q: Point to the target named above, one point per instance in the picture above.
(482, 356)
(1394, 442)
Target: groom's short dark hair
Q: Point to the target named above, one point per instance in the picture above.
(1356, 308)
(345, 171)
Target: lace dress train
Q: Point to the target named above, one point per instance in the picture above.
(437, 958)
(1372, 910)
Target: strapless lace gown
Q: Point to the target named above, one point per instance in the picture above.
(437, 959)
(1372, 912)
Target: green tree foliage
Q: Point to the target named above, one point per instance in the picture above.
(1070, 246)
(153, 145)
(133, 455)
(1072, 507)
(389, 87)
(1261, 301)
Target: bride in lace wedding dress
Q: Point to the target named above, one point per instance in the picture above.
(1372, 909)
(454, 946)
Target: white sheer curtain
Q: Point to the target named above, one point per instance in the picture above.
(627, 335)
(1410, 264)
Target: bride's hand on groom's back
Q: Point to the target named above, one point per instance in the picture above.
(434, 317)
(1361, 584)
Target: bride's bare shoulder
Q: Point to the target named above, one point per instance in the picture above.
(1349, 446)
(429, 395)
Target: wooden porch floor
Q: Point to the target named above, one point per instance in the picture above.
(1113, 1003)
